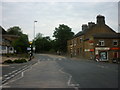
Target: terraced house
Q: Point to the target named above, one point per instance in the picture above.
(95, 41)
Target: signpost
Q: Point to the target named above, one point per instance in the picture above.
(30, 49)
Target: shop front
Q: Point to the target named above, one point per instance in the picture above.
(102, 53)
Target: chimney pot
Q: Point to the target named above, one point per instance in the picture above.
(100, 19)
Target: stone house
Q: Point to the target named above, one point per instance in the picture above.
(95, 40)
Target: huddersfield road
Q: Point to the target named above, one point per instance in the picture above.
(52, 71)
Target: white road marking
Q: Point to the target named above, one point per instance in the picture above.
(8, 78)
(21, 71)
(69, 80)
(5, 75)
(101, 66)
(0, 78)
(1, 86)
(12, 75)
(60, 59)
(12, 67)
(14, 71)
(48, 59)
(25, 66)
(9, 73)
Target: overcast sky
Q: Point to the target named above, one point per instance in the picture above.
(50, 14)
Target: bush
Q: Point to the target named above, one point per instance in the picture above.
(20, 60)
(8, 61)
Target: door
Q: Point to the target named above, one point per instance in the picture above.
(103, 56)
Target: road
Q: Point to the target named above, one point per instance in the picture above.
(51, 71)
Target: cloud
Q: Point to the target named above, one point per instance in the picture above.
(50, 14)
(60, 1)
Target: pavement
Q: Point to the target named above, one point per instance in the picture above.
(52, 71)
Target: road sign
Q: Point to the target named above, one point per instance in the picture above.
(28, 48)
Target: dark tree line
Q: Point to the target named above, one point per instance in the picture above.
(43, 43)
(61, 34)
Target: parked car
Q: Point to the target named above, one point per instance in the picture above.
(116, 60)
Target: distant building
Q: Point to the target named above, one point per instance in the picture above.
(6, 42)
(95, 41)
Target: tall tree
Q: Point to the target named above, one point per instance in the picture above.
(21, 44)
(62, 34)
(14, 31)
(42, 44)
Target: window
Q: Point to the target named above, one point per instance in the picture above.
(72, 42)
(75, 42)
(75, 52)
(115, 42)
(3, 47)
(80, 50)
(101, 42)
(80, 40)
(11, 48)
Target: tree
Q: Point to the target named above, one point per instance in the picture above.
(14, 31)
(42, 44)
(21, 44)
(62, 34)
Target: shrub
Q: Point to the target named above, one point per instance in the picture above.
(20, 60)
(8, 61)
(23, 60)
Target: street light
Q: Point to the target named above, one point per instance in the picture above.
(34, 37)
(34, 29)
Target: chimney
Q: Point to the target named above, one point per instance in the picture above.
(84, 27)
(100, 19)
(90, 24)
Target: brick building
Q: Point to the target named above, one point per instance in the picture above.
(95, 41)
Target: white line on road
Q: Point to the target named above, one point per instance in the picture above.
(101, 66)
(69, 80)
(0, 78)
(59, 59)
(22, 74)
(8, 78)
(12, 67)
(5, 75)
(14, 71)
(9, 73)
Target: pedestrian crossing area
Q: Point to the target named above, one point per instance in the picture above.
(51, 59)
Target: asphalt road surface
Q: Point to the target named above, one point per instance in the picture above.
(51, 71)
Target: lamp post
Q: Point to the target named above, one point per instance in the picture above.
(34, 29)
(34, 37)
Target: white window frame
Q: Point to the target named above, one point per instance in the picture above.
(115, 41)
(102, 42)
(80, 40)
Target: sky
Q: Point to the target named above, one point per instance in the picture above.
(50, 14)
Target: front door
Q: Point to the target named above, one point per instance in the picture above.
(103, 56)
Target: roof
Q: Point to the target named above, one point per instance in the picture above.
(105, 36)
(2, 30)
(88, 29)
(83, 32)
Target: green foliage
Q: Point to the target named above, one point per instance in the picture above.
(8, 61)
(62, 34)
(21, 44)
(42, 44)
(15, 61)
(20, 61)
(14, 31)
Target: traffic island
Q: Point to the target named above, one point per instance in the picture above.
(14, 58)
